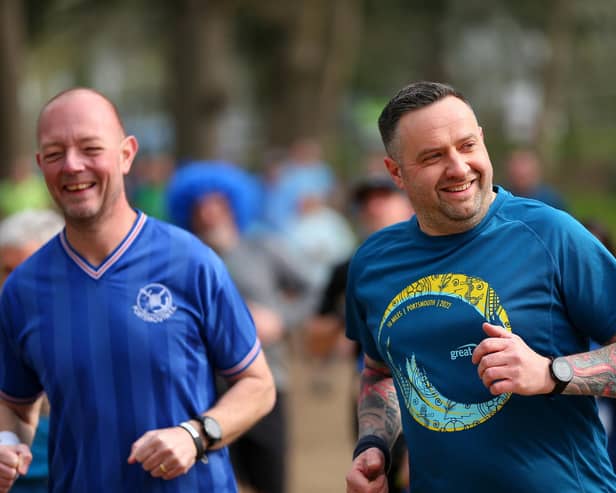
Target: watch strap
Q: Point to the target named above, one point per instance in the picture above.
(196, 439)
(373, 441)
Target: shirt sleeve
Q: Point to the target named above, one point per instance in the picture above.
(588, 280)
(229, 330)
(18, 381)
(357, 328)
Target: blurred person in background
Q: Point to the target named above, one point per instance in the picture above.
(291, 175)
(21, 234)
(23, 189)
(524, 178)
(123, 321)
(148, 185)
(376, 203)
(219, 203)
(298, 204)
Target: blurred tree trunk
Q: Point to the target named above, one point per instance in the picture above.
(550, 120)
(11, 55)
(292, 115)
(201, 74)
(321, 50)
(340, 59)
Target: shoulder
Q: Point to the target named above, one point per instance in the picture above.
(535, 214)
(46, 255)
(549, 225)
(171, 236)
(383, 242)
(178, 243)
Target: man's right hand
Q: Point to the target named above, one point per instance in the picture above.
(14, 462)
(367, 474)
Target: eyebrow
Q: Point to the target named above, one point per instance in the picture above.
(430, 150)
(82, 140)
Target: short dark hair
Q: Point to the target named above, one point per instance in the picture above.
(410, 98)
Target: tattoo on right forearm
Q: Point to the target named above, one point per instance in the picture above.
(378, 409)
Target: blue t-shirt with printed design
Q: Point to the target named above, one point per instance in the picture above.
(129, 346)
(417, 302)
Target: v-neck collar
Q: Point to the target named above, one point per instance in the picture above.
(112, 258)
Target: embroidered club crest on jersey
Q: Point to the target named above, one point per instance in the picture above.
(154, 303)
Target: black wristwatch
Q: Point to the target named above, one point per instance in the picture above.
(211, 430)
(561, 372)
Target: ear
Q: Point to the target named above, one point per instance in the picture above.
(128, 151)
(395, 172)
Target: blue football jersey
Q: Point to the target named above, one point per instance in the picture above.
(417, 302)
(122, 348)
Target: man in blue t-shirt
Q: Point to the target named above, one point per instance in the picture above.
(476, 318)
(123, 322)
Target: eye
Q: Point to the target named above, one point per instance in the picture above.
(468, 146)
(93, 150)
(431, 158)
(50, 157)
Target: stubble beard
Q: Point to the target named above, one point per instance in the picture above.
(462, 217)
(82, 215)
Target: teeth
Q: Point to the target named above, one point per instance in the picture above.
(80, 186)
(460, 188)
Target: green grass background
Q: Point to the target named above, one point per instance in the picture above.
(595, 205)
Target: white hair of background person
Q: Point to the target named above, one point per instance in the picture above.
(32, 225)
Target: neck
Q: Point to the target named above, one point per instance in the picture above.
(95, 239)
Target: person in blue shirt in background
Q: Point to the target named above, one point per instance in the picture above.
(525, 178)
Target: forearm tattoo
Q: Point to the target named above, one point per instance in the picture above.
(378, 410)
(594, 373)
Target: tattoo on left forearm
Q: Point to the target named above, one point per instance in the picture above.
(594, 373)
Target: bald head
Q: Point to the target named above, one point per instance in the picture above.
(84, 154)
(90, 97)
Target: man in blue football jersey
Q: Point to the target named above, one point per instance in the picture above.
(123, 321)
(476, 318)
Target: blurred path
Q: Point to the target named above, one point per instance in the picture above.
(321, 430)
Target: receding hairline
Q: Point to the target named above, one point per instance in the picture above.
(393, 148)
(76, 90)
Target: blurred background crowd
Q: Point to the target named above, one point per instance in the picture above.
(257, 127)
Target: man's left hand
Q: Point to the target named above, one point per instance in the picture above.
(165, 453)
(505, 363)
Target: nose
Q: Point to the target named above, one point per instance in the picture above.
(456, 165)
(73, 161)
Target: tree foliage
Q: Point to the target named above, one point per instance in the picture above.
(233, 78)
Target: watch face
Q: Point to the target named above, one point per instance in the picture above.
(212, 428)
(563, 371)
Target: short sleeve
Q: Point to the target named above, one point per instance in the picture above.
(228, 328)
(18, 382)
(355, 315)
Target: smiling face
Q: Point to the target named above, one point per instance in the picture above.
(84, 155)
(442, 164)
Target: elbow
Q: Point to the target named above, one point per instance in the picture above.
(269, 397)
